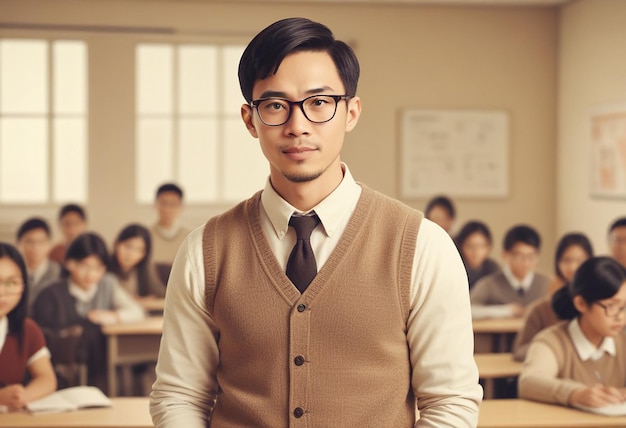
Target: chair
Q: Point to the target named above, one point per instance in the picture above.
(64, 345)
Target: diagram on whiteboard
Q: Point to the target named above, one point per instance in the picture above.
(458, 153)
(608, 151)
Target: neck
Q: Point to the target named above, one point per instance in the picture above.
(34, 265)
(591, 335)
(166, 224)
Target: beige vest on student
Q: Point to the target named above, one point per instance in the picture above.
(336, 356)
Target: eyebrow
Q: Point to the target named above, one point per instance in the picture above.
(278, 94)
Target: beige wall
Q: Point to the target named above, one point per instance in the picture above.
(592, 73)
(411, 56)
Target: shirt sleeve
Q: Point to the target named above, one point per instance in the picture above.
(441, 343)
(186, 385)
(127, 308)
(35, 341)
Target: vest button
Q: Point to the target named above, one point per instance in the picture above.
(299, 360)
(298, 412)
(301, 308)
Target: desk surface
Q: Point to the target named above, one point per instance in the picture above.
(498, 325)
(497, 365)
(129, 412)
(149, 325)
(153, 304)
(514, 413)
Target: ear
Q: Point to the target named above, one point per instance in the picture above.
(354, 113)
(247, 115)
(580, 304)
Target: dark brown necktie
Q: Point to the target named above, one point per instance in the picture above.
(301, 266)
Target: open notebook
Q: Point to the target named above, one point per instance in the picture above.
(611, 410)
(64, 400)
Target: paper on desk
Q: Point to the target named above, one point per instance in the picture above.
(69, 399)
(610, 410)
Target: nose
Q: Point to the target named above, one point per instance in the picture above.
(297, 124)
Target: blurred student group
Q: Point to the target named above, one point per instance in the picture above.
(55, 299)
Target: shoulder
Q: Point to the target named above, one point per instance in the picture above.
(491, 280)
(55, 288)
(542, 279)
(554, 336)
(33, 335)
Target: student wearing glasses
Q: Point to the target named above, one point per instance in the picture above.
(22, 345)
(357, 319)
(582, 360)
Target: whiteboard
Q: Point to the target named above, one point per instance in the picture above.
(459, 153)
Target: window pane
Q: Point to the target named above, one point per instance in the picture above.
(23, 160)
(232, 93)
(23, 76)
(69, 77)
(245, 168)
(197, 80)
(153, 161)
(198, 159)
(154, 79)
(69, 160)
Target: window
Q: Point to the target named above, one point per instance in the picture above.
(43, 121)
(189, 128)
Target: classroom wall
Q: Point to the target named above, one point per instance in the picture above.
(448, 57)
(592, 73)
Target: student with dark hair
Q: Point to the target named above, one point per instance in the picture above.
(474, 244)
(571, 251)
(131, 263)
(22, 346)
(508, 292)
(357, 319)
(617, 240)
(440, 209)
(33, 241)
(582, 361)
(72, 222)
(167, 233)
(89, 297)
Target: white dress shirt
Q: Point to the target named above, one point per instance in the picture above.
(440, 338)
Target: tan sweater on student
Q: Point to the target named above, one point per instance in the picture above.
(537, 383)
(339, 350)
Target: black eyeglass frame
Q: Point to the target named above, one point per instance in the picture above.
(621, 310)
(337, 98)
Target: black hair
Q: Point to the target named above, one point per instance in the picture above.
(32, 224)
(72, 208)
(264, 54)
(596, 279)
(443, 202)
(17, 316)
(129, 232)
(620, 222)
(570, 240)
(468, 229)
(169, 187)
(85, 245)
(521, 234)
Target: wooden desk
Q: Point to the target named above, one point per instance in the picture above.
(497, 330)
(152, 305)
(494, 366)
(515, 413)
(127, 412)
(131, 343)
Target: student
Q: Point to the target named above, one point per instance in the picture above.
(72, 222)
(33, 241)
(507, 293)
(384, 326)
(22, 346)
(167, 233)
(474, 244)
(617, 240)
(89, 297)
(440, 209)
(131, 263)
(571, 251)
(582, 361)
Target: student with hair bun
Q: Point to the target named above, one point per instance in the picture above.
(582, 360)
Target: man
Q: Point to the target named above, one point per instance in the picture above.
(167, 232)
(72, 222)
(248, 341)
(34, 242)
(617, 240)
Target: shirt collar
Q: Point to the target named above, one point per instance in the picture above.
(516, 283)
(80, 294)
(585, 349)
(330, 210)
(4, 330)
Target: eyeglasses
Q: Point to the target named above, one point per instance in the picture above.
(11, 286)
(612, 310)
(316, 108)
(523, 257)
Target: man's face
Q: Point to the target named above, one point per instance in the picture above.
(72, 225)
(522, 259)
(299, 150)
(617, 244)
(34, 246)
(169, 207)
